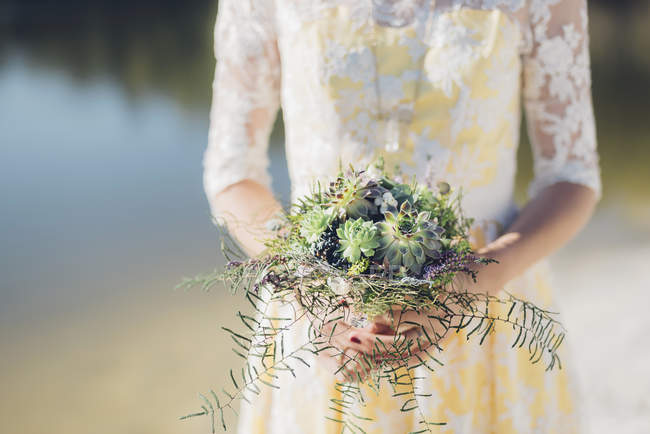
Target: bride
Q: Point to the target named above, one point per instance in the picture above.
(435, 88)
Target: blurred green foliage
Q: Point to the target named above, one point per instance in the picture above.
(146, 46)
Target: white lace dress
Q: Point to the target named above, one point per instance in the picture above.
(462, 69)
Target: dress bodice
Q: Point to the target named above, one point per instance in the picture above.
(459, 67)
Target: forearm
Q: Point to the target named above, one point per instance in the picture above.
(246, 207)
(544, 225)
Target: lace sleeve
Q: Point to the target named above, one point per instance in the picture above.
(245, 97)
(557, 96)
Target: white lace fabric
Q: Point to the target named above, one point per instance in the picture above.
(313, 57)
(246, 92)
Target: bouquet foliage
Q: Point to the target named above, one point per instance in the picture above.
(360, 248)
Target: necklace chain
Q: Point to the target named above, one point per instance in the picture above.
(393, 126)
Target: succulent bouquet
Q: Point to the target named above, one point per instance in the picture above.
(361, 248)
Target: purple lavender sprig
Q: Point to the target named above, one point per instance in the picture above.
(449, 262)
(233, 264)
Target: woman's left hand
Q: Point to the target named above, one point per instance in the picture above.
(416, 332)
(427, 328)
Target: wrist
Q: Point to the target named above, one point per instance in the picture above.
(494, 276)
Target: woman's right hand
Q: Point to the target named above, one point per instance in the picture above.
(246, 207)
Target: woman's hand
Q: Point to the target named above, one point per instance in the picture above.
(246, 207)
(351, 353)
(424, 330)
(401, 337)
(428, 328)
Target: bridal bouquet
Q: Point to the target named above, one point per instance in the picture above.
(367, 247)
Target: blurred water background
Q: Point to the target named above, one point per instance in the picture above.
(103, 121)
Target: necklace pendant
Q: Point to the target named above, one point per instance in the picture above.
(392, 135)
(395, 128)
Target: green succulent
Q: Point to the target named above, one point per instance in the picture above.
(353, 196)
(314, 223)
(408, 238)
(357, 237)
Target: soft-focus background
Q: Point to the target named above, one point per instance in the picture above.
(103, 120)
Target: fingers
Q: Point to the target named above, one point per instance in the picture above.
(402, 321)
(381, 328)
(351, 361)
(379, 345)
(367, 340)
(399, 345)
(352, 353)
(399, 320)
(384, 328)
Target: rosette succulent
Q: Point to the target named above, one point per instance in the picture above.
(354, 196)
(314, 223)
(357, 237)
(408, 238)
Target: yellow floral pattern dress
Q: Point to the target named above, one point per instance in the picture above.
(463, 69)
